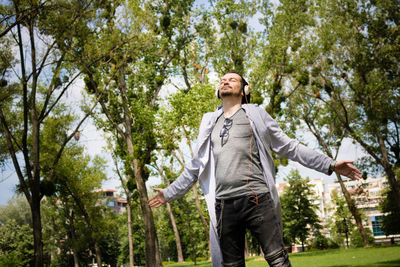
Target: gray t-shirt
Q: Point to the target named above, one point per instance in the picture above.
(238, 170)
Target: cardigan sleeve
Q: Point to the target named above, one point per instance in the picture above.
(190, 174)
(292, 149)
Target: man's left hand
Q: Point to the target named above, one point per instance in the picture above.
(344, 167)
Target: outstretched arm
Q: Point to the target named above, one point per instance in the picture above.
(344, 167)
(157, 200)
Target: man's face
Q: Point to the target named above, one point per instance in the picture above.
(231, 85)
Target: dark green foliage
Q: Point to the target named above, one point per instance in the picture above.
(16, 244)
(391, 220)
(357, 240)
(17, 210)
(298, 210)
(341, 223)
(321, 242)
(191, 231)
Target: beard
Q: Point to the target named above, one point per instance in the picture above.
(224, 93)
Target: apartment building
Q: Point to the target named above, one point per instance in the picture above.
(112, 200)
(367, 194)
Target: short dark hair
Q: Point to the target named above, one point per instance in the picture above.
(244, 83)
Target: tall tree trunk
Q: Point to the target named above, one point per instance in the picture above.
(176, 233)
(354, 211)
(388, 169)
(72, 235)
(98, 253)
(76, 260)
(131, 262)
(89, 223)
(173, 222)
(350, 202)
(152, 253)
(195, 193)
(203, 219)
(37, 229)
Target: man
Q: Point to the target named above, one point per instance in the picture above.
(235, 169)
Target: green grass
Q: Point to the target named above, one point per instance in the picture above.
(377, 256)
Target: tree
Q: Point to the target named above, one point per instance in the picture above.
(16, 244)
(341, 221)
(17, 209)
(40, 33)
(75, 210)
(301, 70)
(129, 189)
(363, 51)
(129, 81)
(179, 122)
(164, 172)
(391, 219)
(343, 56)
(342, 227)
(298, 209)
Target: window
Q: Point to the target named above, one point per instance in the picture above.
(376, 225)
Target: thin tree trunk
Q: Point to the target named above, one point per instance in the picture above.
(73, 237)
(203, 219)
(176, 233)
(350, 202)
(172, 218)
(98, 253)
(389, 170)
(37, 230)
(128, 194)
(195, 194)
(152, 253)
(131, 261)
(76, 260)
(88, 221)
(354, 211)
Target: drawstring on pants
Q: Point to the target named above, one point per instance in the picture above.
(219, 222)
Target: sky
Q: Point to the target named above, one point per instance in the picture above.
(94, 142)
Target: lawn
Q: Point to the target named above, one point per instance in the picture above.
(376, 256)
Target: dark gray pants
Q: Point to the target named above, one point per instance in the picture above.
(235, 215)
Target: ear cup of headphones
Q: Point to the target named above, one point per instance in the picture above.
(246, 89)
(217, 93)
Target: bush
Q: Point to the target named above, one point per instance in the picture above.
(322, 242)
(357, 241)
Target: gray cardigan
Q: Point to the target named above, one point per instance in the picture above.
(268, 136)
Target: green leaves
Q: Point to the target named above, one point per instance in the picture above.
(298, 209)
(16, 244)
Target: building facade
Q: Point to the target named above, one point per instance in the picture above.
(366, 193)
(110, 199)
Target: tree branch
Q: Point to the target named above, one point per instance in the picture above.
(44, 113)
(11, 149)
(68, 138)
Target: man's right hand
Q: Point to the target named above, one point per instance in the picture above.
(158, 200)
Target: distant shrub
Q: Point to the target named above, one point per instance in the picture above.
(322, 242)
(357, 241)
